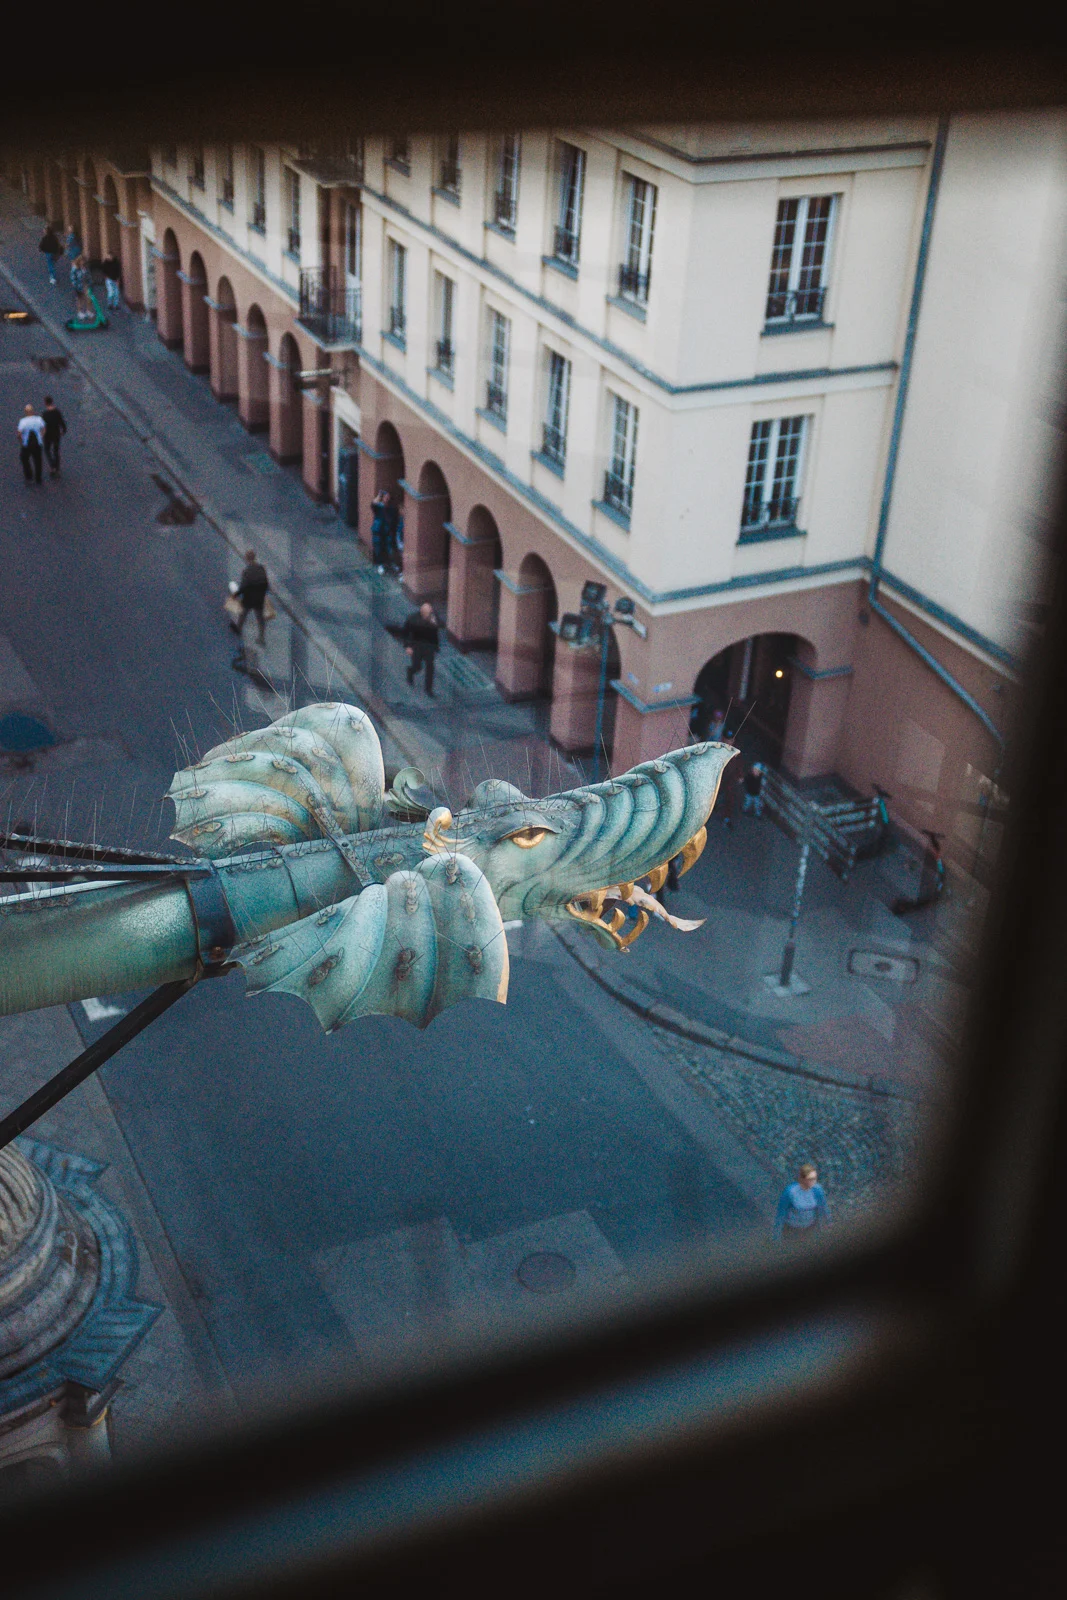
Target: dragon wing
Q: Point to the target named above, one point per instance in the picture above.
(408, 948)
(316, 773)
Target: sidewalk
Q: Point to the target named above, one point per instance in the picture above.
(888, 1029)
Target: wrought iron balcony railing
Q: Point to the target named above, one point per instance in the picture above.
(332, 167)
(618, 492)
(258, 219)
(330, 309)
(446, 357)
(565, 246)
(505, 209)
(496, 400)
(795, 305)
(779, 512)
(397, 322)
(448, 177)
(226, 196)
(554, 444)
(633, 283)
(196, 177)
(294, 241)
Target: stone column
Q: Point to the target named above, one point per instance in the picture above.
(168, 300)
(68, 1315)
(253, 399)
(130, 253)
(315, 403)
(521, 639)
(195, 331)
(222, 350)
(645, 731)
(472, 592)
(574, 696)
(425, 544)
(818, 702)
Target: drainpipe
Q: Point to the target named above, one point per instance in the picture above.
(894, 450)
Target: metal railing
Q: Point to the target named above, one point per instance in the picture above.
(553, 444)
(505, 210)
(779, 512)
(397, 322)
(258, 219)
(496, 400)
(448, 177)
(618, 492)
(446, 356)
(793, 305)
(330, 309)
(196, 177)
(294, 241)
(565, 246)
(226, 196)
(330, 167)
(633, 283)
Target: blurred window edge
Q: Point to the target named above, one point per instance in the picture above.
(880, 1353)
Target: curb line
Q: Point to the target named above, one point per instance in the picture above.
(665, 1016)
(322, 642)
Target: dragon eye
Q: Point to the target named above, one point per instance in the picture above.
(526, 838)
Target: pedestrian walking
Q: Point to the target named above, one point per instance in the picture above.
(51, 249)
(54, 428)
(670, 882)
(718, 723)
(79, 282)
(802, 1209)
(31, 439)
(382, 529)
(251, 595)
(72, 246)
(752, 799)
(396, 542)
(422, 640)
(112, 270)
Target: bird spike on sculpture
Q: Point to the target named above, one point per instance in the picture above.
(316, 881)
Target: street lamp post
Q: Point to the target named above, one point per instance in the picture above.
(598, 619)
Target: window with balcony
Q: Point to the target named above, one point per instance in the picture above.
(448, 169)
(496, 388)
(170, 155)
(196, 169)
(226, 176)
(772, 481)
(445, 354)
(635, 271)
(800, 261)
(619, 477)
(506, 194)
(353, 225)
(398, 257)
(566, 241)
(292, 213)
(258, 186)
(554, 428)
(400, 154)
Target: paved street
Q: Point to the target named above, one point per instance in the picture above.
(298, 1195)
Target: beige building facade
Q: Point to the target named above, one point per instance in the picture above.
(788, 388)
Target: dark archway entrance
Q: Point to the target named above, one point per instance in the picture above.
(195, 317)
(751, 683)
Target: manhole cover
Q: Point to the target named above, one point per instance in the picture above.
(876, 964)
(545, 1272)
(21, 733)
(17, 316)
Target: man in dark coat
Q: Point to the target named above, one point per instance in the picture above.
(51, 249)
(252, 593)
(422, 641)
(54, 429)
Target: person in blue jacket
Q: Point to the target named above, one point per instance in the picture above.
(802, 1209)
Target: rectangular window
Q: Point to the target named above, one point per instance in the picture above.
(567, 241)
(496, 389)
(258, 218)
(292, 208)
(170, 155)
(635, 273)
(619, 478)
(226, 169)
(354, 242)
(554, 431)
(448, 167)
(446, 299)
(506, 198)
(773, 475)
(196, 174)
(397, 289)
(400, 153)
(800, 259)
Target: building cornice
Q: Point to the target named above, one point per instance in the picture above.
(735, 165)
(564, 321)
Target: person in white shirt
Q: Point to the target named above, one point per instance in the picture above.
(31, 441)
